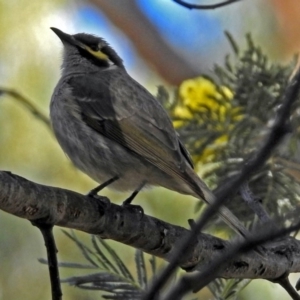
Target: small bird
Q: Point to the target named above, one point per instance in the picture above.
(114, 130)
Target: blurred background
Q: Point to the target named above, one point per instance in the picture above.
(161, 43)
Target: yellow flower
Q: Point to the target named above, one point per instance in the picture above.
(202, 91)
(211, 106)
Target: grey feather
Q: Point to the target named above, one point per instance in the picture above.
(109, 125)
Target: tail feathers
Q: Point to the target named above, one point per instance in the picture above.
(201, 191)
(229, 218)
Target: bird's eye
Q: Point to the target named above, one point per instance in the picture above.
(94, 47)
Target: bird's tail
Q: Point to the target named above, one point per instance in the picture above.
(201, 191)
(229, 218)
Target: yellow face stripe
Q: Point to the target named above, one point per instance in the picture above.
(98, 54)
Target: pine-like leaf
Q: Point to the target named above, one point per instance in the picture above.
(113, 275)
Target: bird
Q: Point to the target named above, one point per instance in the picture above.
(114, 130)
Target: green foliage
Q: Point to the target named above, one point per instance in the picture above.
(112, 274)
(257, 86)
(223, 289)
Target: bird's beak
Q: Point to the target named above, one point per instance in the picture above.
(64, 37)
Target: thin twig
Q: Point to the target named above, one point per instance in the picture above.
(254, 204)
(278, 130)
(27, 103)
(204, 6)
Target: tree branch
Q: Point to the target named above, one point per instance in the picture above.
(205, 6)
(47, 232)
(65, 208)
(197, 281)
(285, 284)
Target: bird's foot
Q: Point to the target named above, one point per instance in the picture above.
(136, 208)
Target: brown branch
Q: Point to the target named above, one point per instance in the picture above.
(47, 232)
(197, 280)
(61, 207)
(205, 6)
(126, 15)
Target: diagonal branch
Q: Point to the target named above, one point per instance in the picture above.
(197, 281)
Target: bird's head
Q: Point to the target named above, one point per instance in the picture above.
(82, 48)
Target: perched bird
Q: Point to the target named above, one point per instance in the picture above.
(114, 130)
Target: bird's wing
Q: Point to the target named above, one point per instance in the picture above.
(122, 110)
